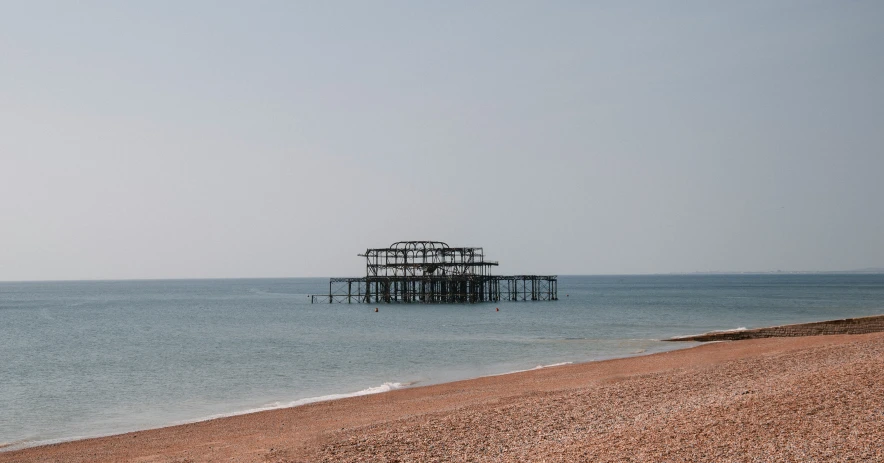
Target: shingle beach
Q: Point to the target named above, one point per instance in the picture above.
(816, 398)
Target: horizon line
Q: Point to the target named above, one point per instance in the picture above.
(869, 271)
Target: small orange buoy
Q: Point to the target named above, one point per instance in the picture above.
(497, 309)
(375, 309)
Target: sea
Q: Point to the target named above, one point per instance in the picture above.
(92, 358)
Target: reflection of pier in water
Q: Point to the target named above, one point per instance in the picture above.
(433, 272)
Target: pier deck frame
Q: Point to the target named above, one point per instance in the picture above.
(439, 290)
(432, 272)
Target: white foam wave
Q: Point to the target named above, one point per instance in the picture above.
(386, 387)
(538, 367)
(734, 330)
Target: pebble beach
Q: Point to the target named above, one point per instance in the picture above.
(816, 398)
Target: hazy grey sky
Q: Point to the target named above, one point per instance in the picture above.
(179, 139)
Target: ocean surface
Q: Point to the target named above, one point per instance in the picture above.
(80, 359)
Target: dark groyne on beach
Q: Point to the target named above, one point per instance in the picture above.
(860, 325)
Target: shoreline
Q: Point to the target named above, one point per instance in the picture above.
(393, 424)
(856, 325)
(386, 387)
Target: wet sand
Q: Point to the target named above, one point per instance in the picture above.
(817, 398)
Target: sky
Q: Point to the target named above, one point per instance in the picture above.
(235, 139)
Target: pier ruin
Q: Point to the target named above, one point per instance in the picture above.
(433, 272)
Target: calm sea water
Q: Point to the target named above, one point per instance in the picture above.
(93, 358)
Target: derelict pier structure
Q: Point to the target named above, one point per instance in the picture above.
(433, 272)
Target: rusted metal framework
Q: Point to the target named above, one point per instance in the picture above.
(433, 272)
